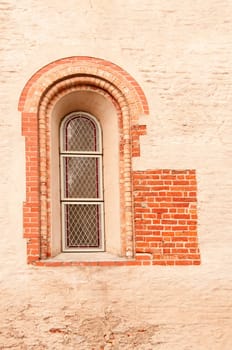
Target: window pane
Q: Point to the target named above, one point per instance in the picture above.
(80, 135)
(82, 225)
(81, 177)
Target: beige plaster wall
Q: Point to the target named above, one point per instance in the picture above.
(180, 52)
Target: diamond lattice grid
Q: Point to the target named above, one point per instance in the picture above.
(82, 225)
(81, 135)
(81, 177)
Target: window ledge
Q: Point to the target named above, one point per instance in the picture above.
(95, 256)
(86, 259)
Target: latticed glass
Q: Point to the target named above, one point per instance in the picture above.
(80, 134)
(81, 177)
(81, 173)
(82, 225)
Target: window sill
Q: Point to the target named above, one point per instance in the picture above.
(86, 259)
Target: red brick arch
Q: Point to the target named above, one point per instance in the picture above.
(79, 66)
(36, 101)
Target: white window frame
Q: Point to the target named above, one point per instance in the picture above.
(64, 200)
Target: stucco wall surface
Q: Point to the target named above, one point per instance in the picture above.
(180, 52)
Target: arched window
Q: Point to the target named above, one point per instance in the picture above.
(64, 161)
(81, 183)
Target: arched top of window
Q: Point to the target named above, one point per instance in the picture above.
(80, 132)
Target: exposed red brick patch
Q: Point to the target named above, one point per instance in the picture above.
(165, 213)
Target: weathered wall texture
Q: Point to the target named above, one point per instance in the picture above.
(180, 52)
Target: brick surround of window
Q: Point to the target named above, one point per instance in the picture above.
(158, 207)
